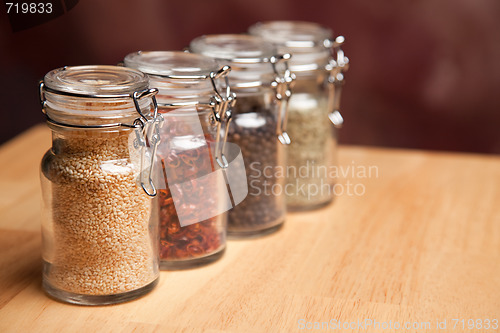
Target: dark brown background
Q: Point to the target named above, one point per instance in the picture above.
(424, 74)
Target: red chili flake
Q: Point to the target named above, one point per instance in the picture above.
(195, 240)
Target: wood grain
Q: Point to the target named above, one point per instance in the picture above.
(421, 244)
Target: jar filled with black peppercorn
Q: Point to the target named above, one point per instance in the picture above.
(194, 197)
(262, 82)
(314, 116)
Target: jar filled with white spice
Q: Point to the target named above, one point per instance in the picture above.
(99, 229)
(313, 112)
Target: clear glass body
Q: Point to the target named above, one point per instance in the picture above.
(187, 154)
(253, 129)
(312, 152)
(192, 227)
(100, 234)
(99, 228)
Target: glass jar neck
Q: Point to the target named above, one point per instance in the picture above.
(245, 91)
(319, 75)
(181, 90)
(83, 111)
(302, 63)
(250, 75)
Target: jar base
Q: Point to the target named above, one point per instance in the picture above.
(245, 234)
(305, 208)
(171, 265)
(94, 300)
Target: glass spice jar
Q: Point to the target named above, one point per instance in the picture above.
(192, 203)
(100, 238)
(258, 126)
(314, 117)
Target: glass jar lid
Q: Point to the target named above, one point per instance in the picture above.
(292, 34)
(95, 96)
(248, 56)
(171, 64)
(181, 77)
(307, 42)
(95, 80)
(233, 47)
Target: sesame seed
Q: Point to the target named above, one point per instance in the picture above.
(97, 239)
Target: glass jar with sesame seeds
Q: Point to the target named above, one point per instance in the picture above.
(99, 228)
(262, 82)
(194, 198)
(314, 117)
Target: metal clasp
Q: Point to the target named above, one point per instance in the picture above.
(337, 65)
(147, 130)
(283, 83)
(221, 108)
(41, 96)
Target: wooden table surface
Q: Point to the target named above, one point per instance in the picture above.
(416, 242)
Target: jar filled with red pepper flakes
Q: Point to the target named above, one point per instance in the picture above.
(194, 197)
(262, 81)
